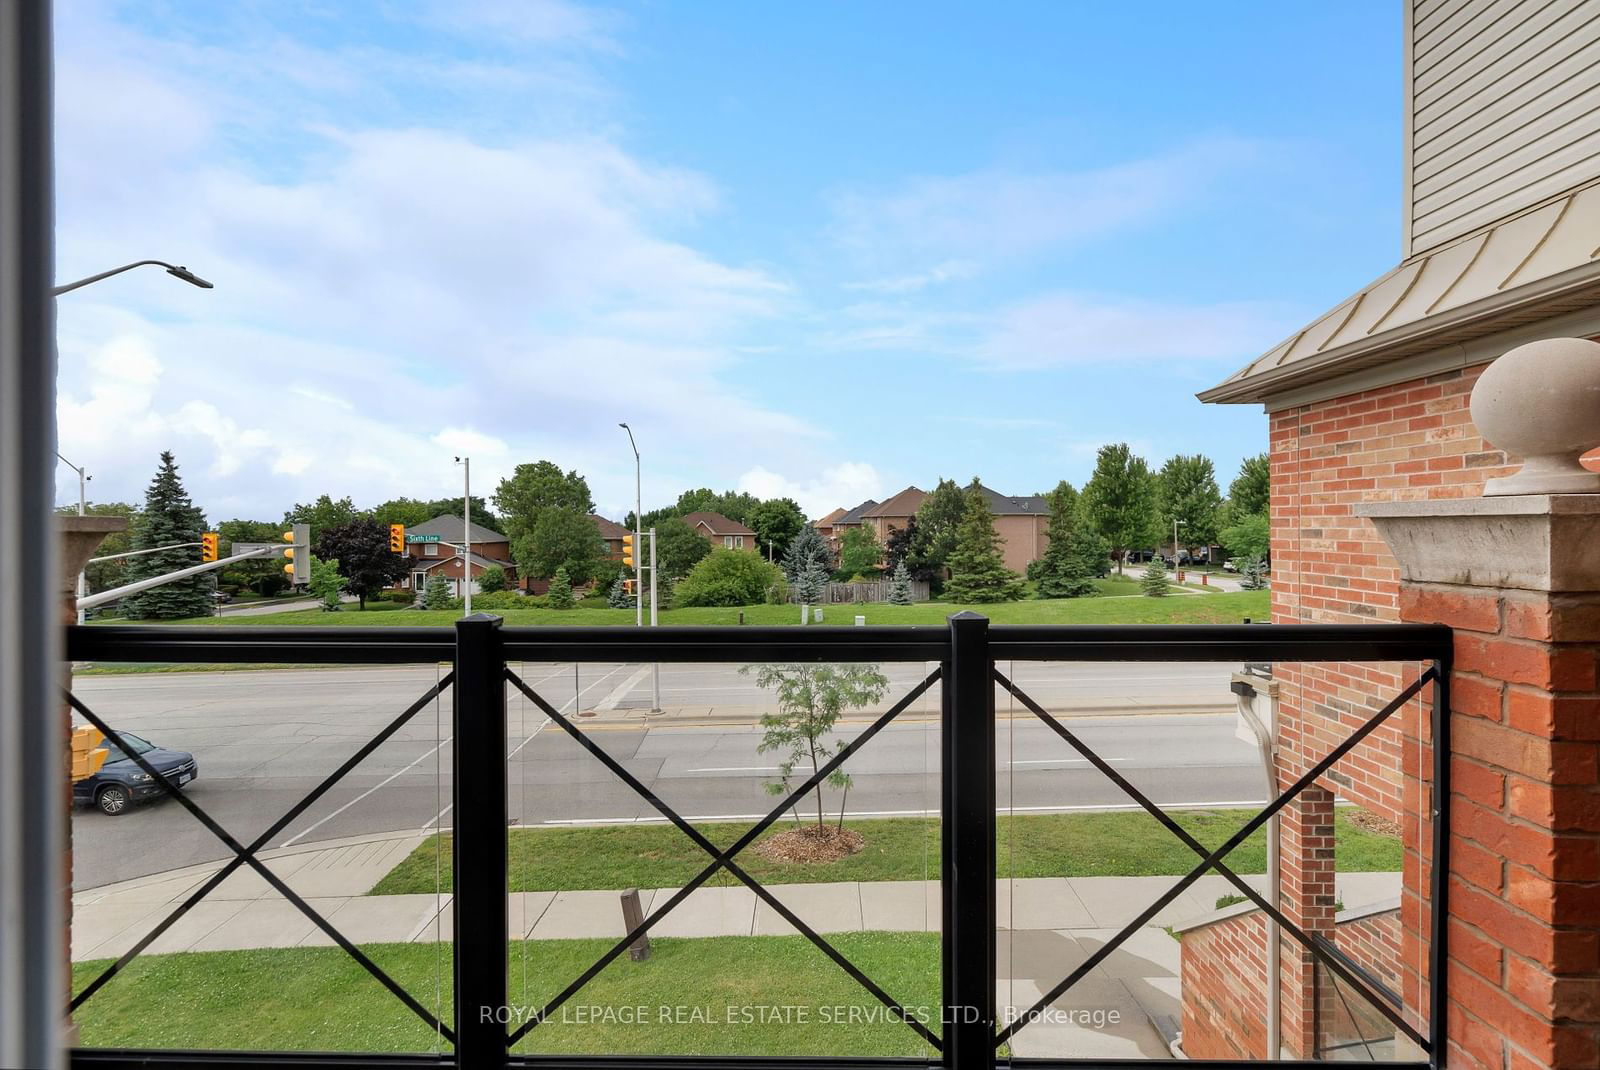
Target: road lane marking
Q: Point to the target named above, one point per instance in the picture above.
(736, 769)
(309, 829)
(620, 692)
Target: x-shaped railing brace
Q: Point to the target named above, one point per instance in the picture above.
(723, 859)
(247, 855)
(1213, 859)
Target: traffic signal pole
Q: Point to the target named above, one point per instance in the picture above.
(654, 609)
(156, 581)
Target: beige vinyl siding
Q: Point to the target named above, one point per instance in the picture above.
(1505, 110)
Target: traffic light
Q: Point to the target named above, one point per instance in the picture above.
(299, 554)
(627, 588)
(208, 547)
(627, 550)
(397, 538)
(87, 753)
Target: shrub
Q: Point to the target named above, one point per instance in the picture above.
(436, 595)
(728, 578)
(492, 580)
(778, 593)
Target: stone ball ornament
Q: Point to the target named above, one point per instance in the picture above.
(1541, 402)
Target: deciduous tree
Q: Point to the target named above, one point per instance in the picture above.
(776, 522)
(859, 552)
(1119, 501)
(322, 514)
(1251, 490)
(937, 520)
(360, 553)
(678, 547)
(326, 583)
(1186, 490)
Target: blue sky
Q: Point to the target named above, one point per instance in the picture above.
(824, 250)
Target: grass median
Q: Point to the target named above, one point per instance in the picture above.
(1175, 609)
(750, 995)
(1106, 844)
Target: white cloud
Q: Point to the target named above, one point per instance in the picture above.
(984, 217)
(901, 284)
(464, 440)
(1070, 328)
(843, 485)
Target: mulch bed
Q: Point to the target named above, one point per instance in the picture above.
(1365, 819)
(810, 843)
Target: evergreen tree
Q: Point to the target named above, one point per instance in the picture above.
(436, 595)
(1155, 582)
(1072, 572)
(977, 565)
(1051, 570)
(618, 597)
(1252, 575)
(811, 584)
(169, 518)
(900, 586)
(559, 595)
(937, 519)
(807, 551)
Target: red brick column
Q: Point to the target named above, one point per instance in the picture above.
(1306, 875)
(1518, 579)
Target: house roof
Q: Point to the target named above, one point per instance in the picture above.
(828, 520)
(448, 528)
(854, 516)
(609, 529)
(428, 564)
(1531, 266)
(903, 504)
(1004, 505)
(716, 523)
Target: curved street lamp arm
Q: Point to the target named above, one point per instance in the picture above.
(175, 270)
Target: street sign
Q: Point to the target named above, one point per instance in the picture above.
(421, 538)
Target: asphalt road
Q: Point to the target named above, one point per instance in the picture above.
(264, 739)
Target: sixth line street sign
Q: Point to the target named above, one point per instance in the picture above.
(421, 538)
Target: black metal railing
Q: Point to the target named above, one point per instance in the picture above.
(481, 653)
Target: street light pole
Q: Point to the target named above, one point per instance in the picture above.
(638, 532)
(83, 507)
(1175, 523)
(466, 535)
(177, 271)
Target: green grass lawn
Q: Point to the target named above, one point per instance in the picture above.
(897, 849)
(320, 999)
(1213, 609)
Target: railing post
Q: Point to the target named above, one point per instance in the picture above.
(967, 844)
(478, 860)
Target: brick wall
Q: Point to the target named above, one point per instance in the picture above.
(1525, 827)
(1373, 942)
(1224, 980)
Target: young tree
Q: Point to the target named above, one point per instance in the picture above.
(808, 552)
(1071, 573)
(436, 595)
(977, 564)
(776, 522)
(618, 597)
(493, 579)
(322, 514)
(1250, 537)
(326, 583)
(1253, 574)
(1187, 492)
(1155, 582)
(360, 553)
(678, 547)
(1119, 502)
(810, 700)
(168, 518)
(859, 552)
(559, 596)
(937, 520)
(900, 586)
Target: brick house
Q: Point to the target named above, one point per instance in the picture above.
(1369, 404)
(1021, 523)
(611, 534)
(720, 531)
(894, 513)
(435, 550)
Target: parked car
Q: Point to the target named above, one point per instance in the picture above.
(120, 782)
